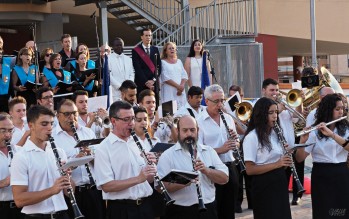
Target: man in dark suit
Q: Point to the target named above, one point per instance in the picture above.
(143, 58)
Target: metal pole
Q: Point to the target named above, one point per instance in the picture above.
(104, 19)
(313, 34)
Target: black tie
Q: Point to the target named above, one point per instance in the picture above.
(147, 50)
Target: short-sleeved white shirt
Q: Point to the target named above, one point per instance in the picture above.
(253, 150)
(67, 143)
(311, 118)
(145, 143)
(326, 151)
(37, 169)
(116, 159)
(286, 124)
(183, 111)
(18, 133)
(179, 159)
(5, 161)
(214, 135)
(98, 130)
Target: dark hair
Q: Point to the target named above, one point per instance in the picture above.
(324, 113)
(42, 90)
(191, 51)
(16, 100)
(43, 53)
(235, 88)
(87, 53)
(4, 115)
(78, 93)
(24, 50)
(127, 84)
(194, 90)
(144, 93)
(52, 58)
(145, 29)
(139, 109)
(269, 81)
(119, 39)
(65, 36)
(35, 111)
(79, 53)
(259, 121)
(308, 71)
(117, 106)
(64, 102)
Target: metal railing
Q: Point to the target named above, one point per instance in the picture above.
(223, 18)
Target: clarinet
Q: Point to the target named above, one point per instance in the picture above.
(10, 152)
(278, 130)
(148, 137)
(76, 137)
(70, 191)
(236, 152)
(167, 197)
(198, 188)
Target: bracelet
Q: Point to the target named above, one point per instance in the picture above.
(345, 143)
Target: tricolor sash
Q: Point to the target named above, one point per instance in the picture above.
(144, 56)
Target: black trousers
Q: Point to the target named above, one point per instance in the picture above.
(119, 210)
(240, 196)
(10, 212)
(226, 195)
(90, 202)
(191, 212)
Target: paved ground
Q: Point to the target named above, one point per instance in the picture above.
(301, 211)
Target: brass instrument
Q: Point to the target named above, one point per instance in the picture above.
(278, 130)
(243, 112)
(330, 81)
(163, 189)
(198, 188)
(76, 210)
(291, 102)
(316, 128)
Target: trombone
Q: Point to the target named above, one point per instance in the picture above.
(293, 100)
(243, 112)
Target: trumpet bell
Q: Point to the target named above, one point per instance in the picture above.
(243, 111)
(294, 98)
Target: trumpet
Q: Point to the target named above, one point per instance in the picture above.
(316, 128)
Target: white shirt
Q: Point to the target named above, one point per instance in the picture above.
(98, 130)
(286, 124)
(18, 133)
(176, 73)
(184, 111)
(214, 135)
(5, 161)
(116, 159)
(254, 152)
(121, 69)
(326, 151)
(177, 158)
(311, 118)
(67, 143)
(37, 169)
(163, 133)
(145, 143)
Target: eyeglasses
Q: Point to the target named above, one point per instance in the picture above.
(217, 101)
(126, 119)
(4, 131)
(67, 114)
(48, 54)
(145, 119)
(47, 97)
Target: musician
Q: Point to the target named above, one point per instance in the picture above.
(265, 162)
(143, 60)
(121, 172)
(193, 106)
(18, 109)
(210, 167)
(213, 132)
(120, 67)
(88, 120)
(311, 116)
(128, 90)
(8, 209)
(236, 88)
(35, 179)
(146, 99)
(24, 71)
(72, 65)
(5, 75)
(330, 174)
(67, 52)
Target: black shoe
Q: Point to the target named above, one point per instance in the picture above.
(238, 210)
(296, 201)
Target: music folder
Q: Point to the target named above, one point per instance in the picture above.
(62, 85)
(161, 147)
(88, 72)
(32, 85)
(76, 161)
(180, 176)
(86, 143)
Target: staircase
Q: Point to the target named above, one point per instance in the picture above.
(221, 21)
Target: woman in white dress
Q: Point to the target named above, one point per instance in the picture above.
(193, 64)
(173, 76)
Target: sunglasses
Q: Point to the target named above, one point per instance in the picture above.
(48, 54)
